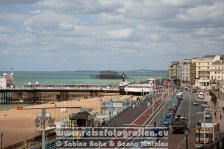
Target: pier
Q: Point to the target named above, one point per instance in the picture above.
(34, 92)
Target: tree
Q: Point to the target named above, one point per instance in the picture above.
(213, 97)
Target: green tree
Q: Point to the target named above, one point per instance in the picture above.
(213, 97)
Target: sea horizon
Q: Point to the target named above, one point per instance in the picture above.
(81, 70)
(82, 77)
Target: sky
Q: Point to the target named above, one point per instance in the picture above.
(69, 35)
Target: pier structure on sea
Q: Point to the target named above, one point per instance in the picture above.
(34, 92)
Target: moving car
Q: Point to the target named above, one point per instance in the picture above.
(179, 124)
(196, 103)
(201, 95)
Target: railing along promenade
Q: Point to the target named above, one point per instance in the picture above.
(73, 88)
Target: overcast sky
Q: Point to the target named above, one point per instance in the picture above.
(107, 34)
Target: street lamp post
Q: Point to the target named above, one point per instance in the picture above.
(42, 120)
(199, 128)
(186, 135)
(1, 133)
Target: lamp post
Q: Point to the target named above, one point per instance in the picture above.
(42, 120)
(186, 135)
(1, 133)
(199, 128)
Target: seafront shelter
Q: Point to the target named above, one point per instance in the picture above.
(82, 119)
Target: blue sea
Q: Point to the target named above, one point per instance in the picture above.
(82, 77)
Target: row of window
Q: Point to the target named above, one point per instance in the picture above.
(218, 67)
(219, 72)
(219, 77)
(203, 67)
(200, 63)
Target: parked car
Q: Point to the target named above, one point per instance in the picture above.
(173, 109)
(170, 114)
(208, 115)
(179, 96)
(167, 121)
(204, 106)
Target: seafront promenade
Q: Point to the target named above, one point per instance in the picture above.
(219, 116)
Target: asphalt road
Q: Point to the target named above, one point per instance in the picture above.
(194, 114)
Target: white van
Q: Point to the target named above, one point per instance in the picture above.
(201, 95)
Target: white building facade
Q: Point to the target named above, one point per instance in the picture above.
(185, 70)
(217, 71)
(203, 65)
(7, 81)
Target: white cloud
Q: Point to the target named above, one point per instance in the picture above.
(121, 30)
(120, 34)
(204, 12)
(50, 21)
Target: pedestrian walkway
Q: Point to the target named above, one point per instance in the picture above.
(127, 117)
(219, 114)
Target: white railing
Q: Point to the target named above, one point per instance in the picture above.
(63, 88)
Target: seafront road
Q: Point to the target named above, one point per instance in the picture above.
(194, 114)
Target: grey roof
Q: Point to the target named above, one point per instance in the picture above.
(175, 62)
(218, 62)
(209, 56)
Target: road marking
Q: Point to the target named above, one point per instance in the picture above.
(181, 143)
(189, 114)
(168, 96)
(160, 109)
(142, 114)
(189, 121)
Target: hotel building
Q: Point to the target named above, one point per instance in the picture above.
(174, 72)
(203, 65)
(187, 69)
(217, 71)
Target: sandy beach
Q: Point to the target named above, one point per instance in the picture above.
(18, 125)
